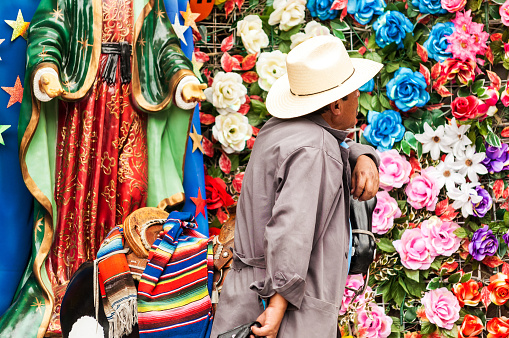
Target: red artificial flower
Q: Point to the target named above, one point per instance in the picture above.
(468, 293)
(471, 327)
(217, 196)
(464, 69)
(499, 289)
(465, 108)
(498, 327)
(237, 182)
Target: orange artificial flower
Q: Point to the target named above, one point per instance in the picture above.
(498, 327)
(413, 335)
(421, 314)
(499, 288)
(471, 327)
(468, 293)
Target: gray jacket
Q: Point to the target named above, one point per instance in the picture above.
(292, 232)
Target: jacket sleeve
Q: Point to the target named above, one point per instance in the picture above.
(357, 149)
(309, 182)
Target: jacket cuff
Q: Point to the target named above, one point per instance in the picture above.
(362, 149)
(292, 289)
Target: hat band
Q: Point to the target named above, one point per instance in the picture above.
(325, 90)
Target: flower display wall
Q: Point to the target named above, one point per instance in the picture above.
(437, 114)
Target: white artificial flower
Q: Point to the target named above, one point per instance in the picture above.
(456, 136)
(227, 92)
(433, 141)
(232, 131)
(311, 30)
(464, 197)
(287, 13)
(252, 35)
(469, 163)
(446, 175)
(270, 66)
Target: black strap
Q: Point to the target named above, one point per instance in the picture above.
(114, 51)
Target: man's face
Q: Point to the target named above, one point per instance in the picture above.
(348, 108)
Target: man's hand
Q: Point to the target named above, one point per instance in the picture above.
(193, 92)
(365, 179)
(50, 85)
(271, 318)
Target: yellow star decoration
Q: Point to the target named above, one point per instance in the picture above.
(43, 54)
(196, 140)
(141, 43)
(20, 27)
(39, 304)
(189, 17)
(57, 14)
(1, 41)
(179, 29)
(84, 45)
(38, 224)
(2, 129)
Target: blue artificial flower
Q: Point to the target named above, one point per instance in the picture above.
(363, 10)
(429, 6)
(437, 41)
(407, 89)
(321, 9)
(392, 26)
(368, 86)
(384, 129)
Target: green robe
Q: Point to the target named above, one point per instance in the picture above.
(66, 35)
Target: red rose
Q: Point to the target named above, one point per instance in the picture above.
(217, 196)
(465, 108)
(468, 293)
(471, 327)
(237, 181)
(498, 327)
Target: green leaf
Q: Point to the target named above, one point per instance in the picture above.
(410, 315)
(466, 277)
(410, 138)
(339, 34)
(460, 233)
(392, 67)
(474, 5)
(384, 290)
(416, 289)
(384, 101)
(254, 89)
(385, 244)
(463, 92)
(412, 274)
(365, 101)
(285, 35)
(477, 84)
(427, 328)
(375, 103)
(398, 294)
(284, 46)
(372, 42)
(405, 146)
(499, 2)
(433, 284)
(235, 162)
(454, 278)
(396, 324)
(339, 25)
(402, 283)
(506, 218)
(493, 140)
(436, 264)
(373, 56)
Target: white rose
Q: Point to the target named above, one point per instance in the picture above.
(232, 131)
(252, 34)
(270, 67)
(227, 92)
(288, 13)
(311, 30)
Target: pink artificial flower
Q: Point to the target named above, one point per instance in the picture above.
(506, 49)
(462, 45)
(462, 20)
(453, 5)
(422, 191)
(505, 96)
(487, 107)
(354, 282)
(413, 250)
(440, 236)
(480, 37)
(504, 13)
(375, 324)
(442, 307)
(394, 169)
(385, 212)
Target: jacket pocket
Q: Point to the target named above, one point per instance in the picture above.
(314, 303)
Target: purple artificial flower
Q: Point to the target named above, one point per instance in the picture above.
(506, 237)
(484, 243)
(497, 158)
(481, 208)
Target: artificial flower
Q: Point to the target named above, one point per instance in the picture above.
(407, 89)
(504, 13)
(484, 243)
(439, 236)
(232, 131)
(444, 174)
(455, 136)
(429, 6)
(487, 106)
(469, 38)
(227, 92)
(498, 327)
(465, 197)
(468, 293)
(504, 97)
(465, 108)
(413, 250)
(354, 282)
(437, 43)
(385, 212)
(453, 5)
(321, 9)
(433, 141)
(270, 66)
(484, 205)
(217, 197)
(471, 327)
(462, 46)
(497, 158)
(368, 86)
(311, 30)
(465, 70)
(505, 237)
(499, 288)
(251, 32)
(442, 307)
(287, 13)
(374, 324)
(363, 10)
(470, 163)
(394, 169)
(422, 191)
(392, 26)
(237, 181)
(384, 129)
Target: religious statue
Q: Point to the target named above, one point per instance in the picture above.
(103, 130)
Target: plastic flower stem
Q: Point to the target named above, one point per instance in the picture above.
(487, 18)
(358, 37)
(401, 309)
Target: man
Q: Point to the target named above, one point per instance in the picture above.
(292, 232)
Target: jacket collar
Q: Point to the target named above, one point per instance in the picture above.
(340, 135)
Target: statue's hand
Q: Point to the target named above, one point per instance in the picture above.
(193, 92)
(50, 85)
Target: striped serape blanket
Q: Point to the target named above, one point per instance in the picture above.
(174, 291)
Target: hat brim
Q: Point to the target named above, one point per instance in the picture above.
(283, 104)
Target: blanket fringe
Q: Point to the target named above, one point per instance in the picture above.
(125, 318)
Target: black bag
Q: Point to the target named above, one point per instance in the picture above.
(243, 331)
(363, 240)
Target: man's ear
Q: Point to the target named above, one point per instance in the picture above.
(336, 107)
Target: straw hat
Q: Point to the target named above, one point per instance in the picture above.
(319, 71)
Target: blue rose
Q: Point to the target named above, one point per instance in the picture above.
(407, 89)
(368, 86)
(392, 26)
(437, 41)
(321, 9)
(363, 10)
(384, 129)
(429, 6)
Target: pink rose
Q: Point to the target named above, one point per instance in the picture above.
(375, 324)
(442, 307)
(465, 108)
(385, 212)
(394, 169)
(422, 191)
(413, 250)
(504, 13)
(354, 282)
(453, 5)
(505, 96)
(440, 236)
